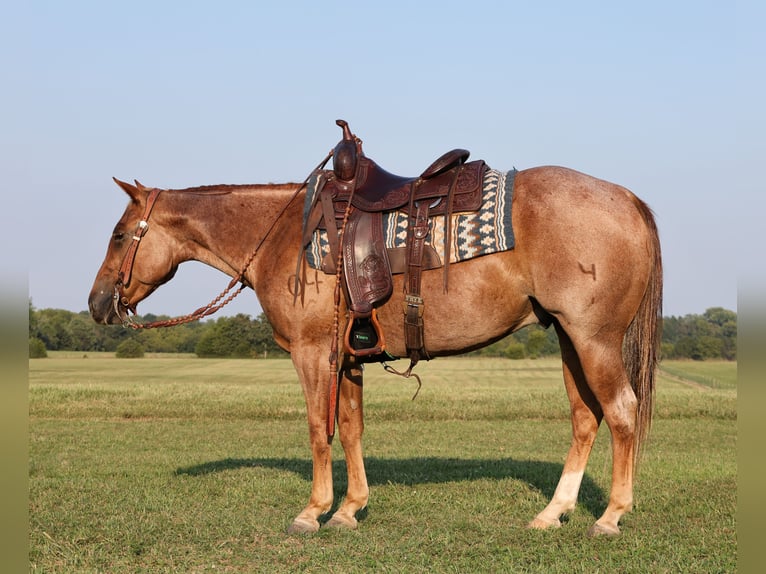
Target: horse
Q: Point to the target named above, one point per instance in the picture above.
(587, 260)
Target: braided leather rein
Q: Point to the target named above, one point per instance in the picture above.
(126, 270)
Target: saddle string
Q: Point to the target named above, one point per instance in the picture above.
(218, 302)
(448, 230)
(333, 398)
(405, 374)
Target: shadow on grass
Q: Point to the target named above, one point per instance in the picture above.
(542, 476)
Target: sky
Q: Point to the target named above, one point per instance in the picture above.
(665, 98)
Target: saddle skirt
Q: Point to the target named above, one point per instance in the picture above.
(473, 233)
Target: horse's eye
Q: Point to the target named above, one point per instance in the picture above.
(118, 235)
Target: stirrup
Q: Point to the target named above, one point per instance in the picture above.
(364, 336)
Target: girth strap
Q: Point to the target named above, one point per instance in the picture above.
(414, 337)
(413, 303)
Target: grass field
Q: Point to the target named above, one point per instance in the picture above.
(179, 464)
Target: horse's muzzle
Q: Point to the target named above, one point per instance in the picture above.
(101, 307)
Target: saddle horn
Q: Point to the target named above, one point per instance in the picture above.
(344, 155)
(347, 135)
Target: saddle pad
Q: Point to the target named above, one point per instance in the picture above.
(475, 233)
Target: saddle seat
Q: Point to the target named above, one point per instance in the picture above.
(377, 190)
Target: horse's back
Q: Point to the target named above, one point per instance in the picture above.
(572, 195)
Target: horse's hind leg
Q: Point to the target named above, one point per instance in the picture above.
(600, 356)
(350, 428)
(586, 416)
(620, 407)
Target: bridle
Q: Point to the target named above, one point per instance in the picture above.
(119, 299)
(126, 268)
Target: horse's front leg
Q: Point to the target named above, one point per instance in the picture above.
(314, 377)
(350, 427)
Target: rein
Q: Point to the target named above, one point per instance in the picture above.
(223, 298)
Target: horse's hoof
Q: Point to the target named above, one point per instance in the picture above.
(543, 524)
(303, 526)
(339, 520)
(603, 530)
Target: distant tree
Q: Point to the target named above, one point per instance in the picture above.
(228, 337)
(82, 332)
(496, 349)
(536, 343)
(545, 342)
(37, 348)
(52, 328)
(129, 349)
(514, 350)
(265, 345)
(32, 320)
(709, 347)
(238, 336)
(726, 321)
(720, 316)
(712, 335)
(178, 339)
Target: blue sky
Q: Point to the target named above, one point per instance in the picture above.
(665, 98)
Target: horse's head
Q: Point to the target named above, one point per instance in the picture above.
(140, 258)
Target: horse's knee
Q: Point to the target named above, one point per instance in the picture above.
(350, 410)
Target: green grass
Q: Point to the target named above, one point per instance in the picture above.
(714, 374)
(189, 465)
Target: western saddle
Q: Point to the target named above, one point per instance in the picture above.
(350, 202)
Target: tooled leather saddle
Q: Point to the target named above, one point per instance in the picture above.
(349, 204)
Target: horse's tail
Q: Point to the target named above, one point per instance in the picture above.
(641, 345)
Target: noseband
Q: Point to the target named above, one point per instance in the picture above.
(126, 269)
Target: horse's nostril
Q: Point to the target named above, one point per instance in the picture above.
(99, 306)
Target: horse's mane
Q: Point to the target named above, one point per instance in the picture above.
(229, 188)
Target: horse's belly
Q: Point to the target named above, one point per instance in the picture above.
(485, 301)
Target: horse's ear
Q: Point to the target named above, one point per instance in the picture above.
(134, 192)
(140, 186)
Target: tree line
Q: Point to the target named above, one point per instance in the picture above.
(239, 336)
(712, 335)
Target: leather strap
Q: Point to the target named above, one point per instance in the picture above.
(448, 227)
(413, 302)
(328, 212)
(126, 269)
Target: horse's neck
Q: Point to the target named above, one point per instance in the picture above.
(223, 225)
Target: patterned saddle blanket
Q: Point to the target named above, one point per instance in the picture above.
(473, 234)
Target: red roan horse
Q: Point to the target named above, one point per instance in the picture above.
(587, 259)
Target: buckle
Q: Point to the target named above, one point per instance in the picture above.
(413, 302)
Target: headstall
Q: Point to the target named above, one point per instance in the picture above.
(126, 269)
